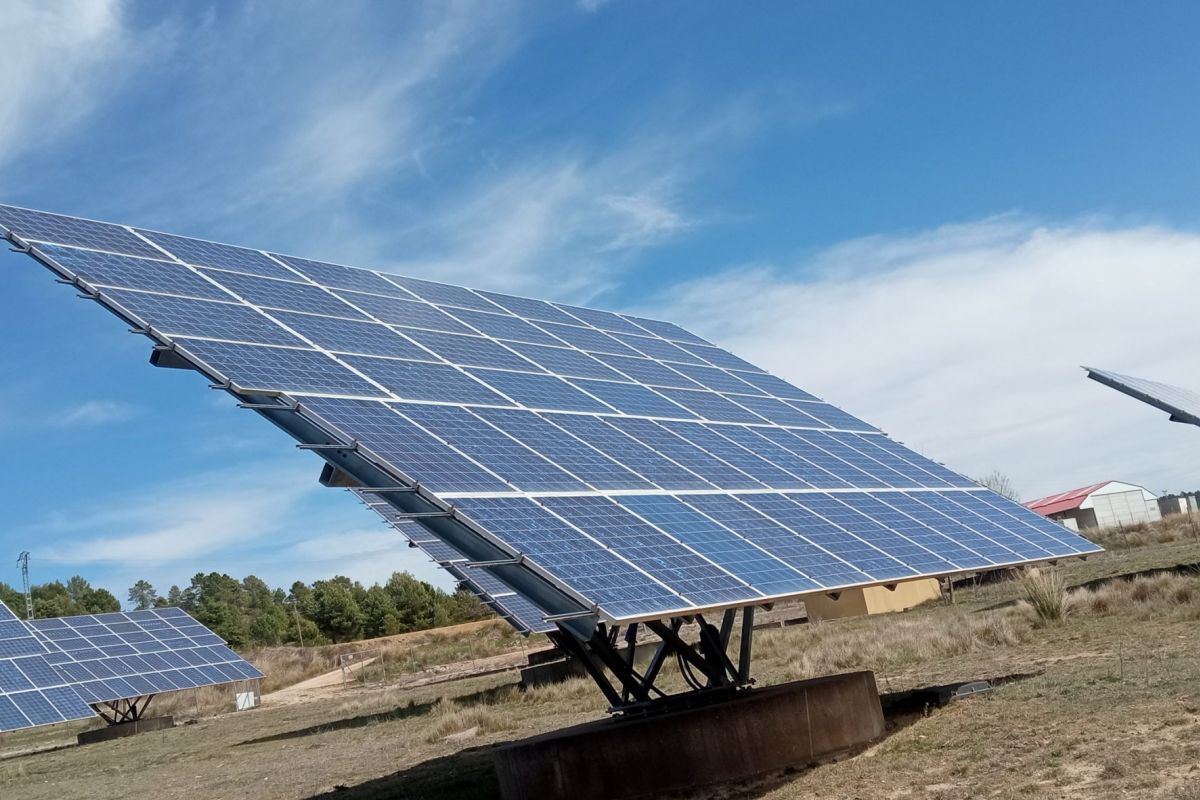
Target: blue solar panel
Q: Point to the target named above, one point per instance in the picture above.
(339, 277)
(717, 472)
(107, 269)
(470, 351)
(612, 394)
(285, 295)
(501, 326)
(651, 465)
(629, 398)
(698, 580)
(200, 253)
(180, 316)
(399, 441)
(1182, 404)
(538, 391)
(420, 380)
(351, 336)
(647, 371)
(529, 308)
(754, 565)
(487, 445)
(588, 339)
(120, 656)
(710, 405)
(565, 361)
(39, 226)
(278, 369)
(710, 440)
(410, 313)
(579, 561)
(31, 691)
(659, 349)
(590, 465)
(443, 293)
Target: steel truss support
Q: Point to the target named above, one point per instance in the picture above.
(117, 712)
(701, 652)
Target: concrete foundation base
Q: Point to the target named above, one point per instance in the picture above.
(123, 729)
(752, 733)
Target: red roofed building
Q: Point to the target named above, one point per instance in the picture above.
(1101, 505)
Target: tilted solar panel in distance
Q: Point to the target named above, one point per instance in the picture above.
(536, 457)
(32, 692)
(123, 655)
(1182, 404)
(519, 612)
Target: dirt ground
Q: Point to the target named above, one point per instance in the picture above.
(1113, 712)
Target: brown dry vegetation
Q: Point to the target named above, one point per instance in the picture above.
(1112, 712)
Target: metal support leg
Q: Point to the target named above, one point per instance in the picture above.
(632, 683)
(714, 653)
(685, 651)
(727, 627)
(660, 655)
(747, 640)
(572, 645)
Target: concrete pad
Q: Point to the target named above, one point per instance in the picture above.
(750, 734)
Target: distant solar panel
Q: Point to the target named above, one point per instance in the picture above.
(122, 655)
(32, 692)
(1182, 404)
(538, 456)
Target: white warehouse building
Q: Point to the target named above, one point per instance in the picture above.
(1101, 505)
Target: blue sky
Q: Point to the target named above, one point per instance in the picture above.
(930, 213)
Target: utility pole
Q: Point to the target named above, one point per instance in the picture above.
(23, 560)
(296, 615)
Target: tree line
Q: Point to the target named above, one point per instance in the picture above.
(249, 613)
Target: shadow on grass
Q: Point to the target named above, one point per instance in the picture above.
(401, 712)
(466, 775)
(482, 697)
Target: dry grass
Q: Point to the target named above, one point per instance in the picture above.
(1163, 595)
(1045, 591)
(1175, 528)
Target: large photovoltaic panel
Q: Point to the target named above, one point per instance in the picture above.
(635, 468)
(52, 669)
(1182, 404)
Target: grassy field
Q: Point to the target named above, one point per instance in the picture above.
(1112, 709)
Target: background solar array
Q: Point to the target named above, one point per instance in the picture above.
(51, 669)
(1182, 404)
(32, 692)
(108, 657)
(545, 423)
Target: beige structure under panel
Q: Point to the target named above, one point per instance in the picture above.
(872, 599)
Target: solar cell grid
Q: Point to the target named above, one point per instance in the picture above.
(409, 313)
(278, 368)
(107, 269)
(420, 380)
(538, 391)
(658, 349)
(471, 351)
(442, 293)
(589, 339)
(203, 318)
(529, 308)
(565, 361)
(42, 227)
(629, 398)
(352, 336)
(200, 253)
(504, 327)
(667, 330)
(285, 295)
(651, 465)
(718, 380)
(339, 277)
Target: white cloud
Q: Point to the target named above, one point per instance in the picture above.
(966, 341)
(180, 520)
(97, 412)
(61, 60)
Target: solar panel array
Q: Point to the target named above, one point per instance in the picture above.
(1182, 404)
(52, 669)
(115, 656)
(32, 692)
(641, 468)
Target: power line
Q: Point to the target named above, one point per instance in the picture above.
(23, 560)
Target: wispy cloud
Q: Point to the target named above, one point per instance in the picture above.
(97, 412)
(61, 61)
(179, 520)
(966, 341)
